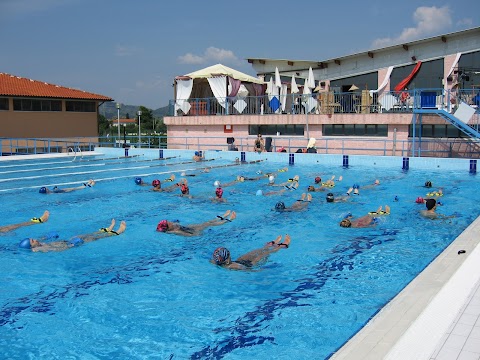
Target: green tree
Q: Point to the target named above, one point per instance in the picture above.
(146, 119)
(103, 125)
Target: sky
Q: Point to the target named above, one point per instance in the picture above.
(131, 51)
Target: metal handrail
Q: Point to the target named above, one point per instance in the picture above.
(455, 147)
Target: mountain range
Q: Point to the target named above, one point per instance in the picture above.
(109, 110)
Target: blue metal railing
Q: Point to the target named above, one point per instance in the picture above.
(457, 147)
(358, 102)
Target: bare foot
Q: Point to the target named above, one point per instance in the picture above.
(233, 215)
(387, 209)
(45, 216)
(122, 227)
(309, 197)
(226, 214)
(303, 196)
(287, 240)
(112, 224)
(274, 242)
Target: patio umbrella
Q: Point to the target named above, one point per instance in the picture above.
(278, 82)
(311, 79)
(293, 87)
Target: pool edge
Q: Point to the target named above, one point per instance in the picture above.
(411, 325)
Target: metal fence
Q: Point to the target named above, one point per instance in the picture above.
(452, 148)
(355, 102)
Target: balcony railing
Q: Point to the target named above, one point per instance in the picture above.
(363, 102)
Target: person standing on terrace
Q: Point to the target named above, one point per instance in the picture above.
(404, 96)
(259, 145)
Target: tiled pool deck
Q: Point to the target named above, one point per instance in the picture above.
(437, 316)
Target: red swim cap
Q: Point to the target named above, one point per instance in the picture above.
(317, 180)
(155, 182)
(162, 226)
(419, 200)
(219, 192)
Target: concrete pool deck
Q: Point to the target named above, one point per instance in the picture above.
(436, 316)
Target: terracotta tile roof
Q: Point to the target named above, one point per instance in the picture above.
(11, 85)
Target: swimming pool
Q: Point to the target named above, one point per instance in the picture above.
(146, 294)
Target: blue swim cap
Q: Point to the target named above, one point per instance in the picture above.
(396, 198)
(221, 255)
(138, 180)
(197, 153)
(25, 244)
(280, 206)
(76, 241)
(355, 186)
(43, 190)
(259, 193)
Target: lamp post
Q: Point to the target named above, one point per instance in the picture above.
(118, 122)
(139, 113)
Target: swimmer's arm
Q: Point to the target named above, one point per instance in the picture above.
(236, 266)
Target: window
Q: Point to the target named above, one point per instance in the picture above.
(291, 130)
(37, 105)
(81, 106)
(436, 131)
(3, 104)
(355, 130)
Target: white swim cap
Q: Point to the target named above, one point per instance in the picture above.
(271, 178)
(216, 183)
(183, 174)
(259, 193)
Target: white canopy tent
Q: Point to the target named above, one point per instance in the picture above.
(217, 81)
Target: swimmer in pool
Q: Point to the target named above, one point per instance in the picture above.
(429, 213)
(184, 189)
(139, 181)
(56, 190)
(335, 199)
(298, 205)
(241, 179)
(289, 182)
(369, 220)
(157, 185)
(198, 157)
(294, 186)
(33, 221)
(194, 229)
(219, 195)
(355, 187)
(221, 256)
(37, 246)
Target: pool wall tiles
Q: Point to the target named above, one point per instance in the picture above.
(299, 159)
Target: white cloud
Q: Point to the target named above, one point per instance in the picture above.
(428, 20)
(211, 54)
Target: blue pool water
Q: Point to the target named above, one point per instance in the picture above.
(146, 294)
